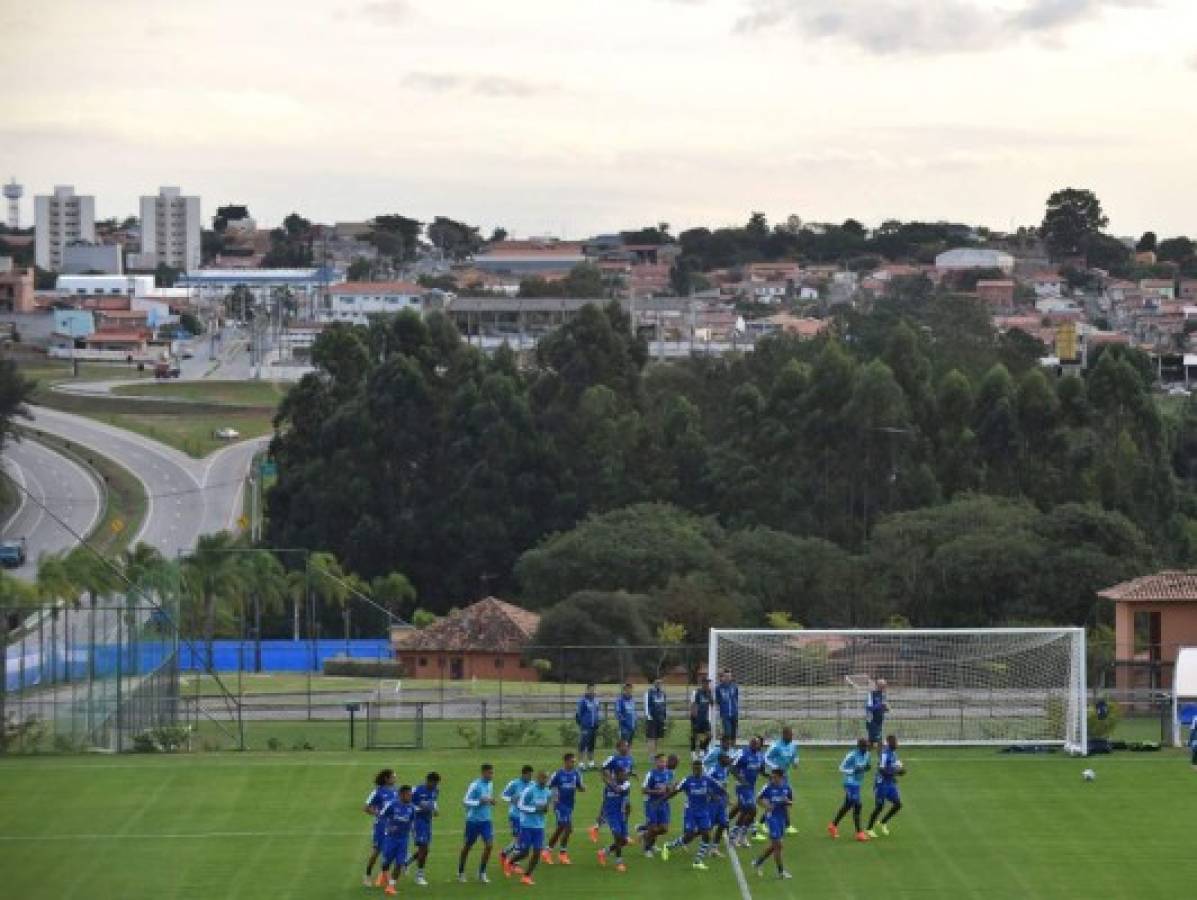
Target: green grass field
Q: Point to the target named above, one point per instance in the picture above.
(242, 393)
(221, 825)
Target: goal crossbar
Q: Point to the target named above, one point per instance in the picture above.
(949, 687)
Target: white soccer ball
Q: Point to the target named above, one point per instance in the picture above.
(1089, 775)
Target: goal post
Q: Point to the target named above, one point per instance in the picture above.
(985, 686)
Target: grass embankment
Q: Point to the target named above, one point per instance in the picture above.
(182, 415)
(123, 497)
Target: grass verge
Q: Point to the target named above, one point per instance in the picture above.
(240, 393)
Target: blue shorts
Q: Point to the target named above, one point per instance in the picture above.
(378, 838)
(422, 832)
(852, 794)
(656, 812)
(564, 814)
(887, 792)
(719, 815)
(627, 734)
(745, 798)
(476, 830)
(697, 820)
(515, 827)
(617, 823)
(532, 839)
(874, 731)
(394, 850)
(729, 725)
(777, 827)
(586, 739)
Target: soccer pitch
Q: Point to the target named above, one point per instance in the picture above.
(976, 824)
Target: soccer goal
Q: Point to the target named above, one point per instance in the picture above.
(994, 686)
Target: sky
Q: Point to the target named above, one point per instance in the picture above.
(580, 116)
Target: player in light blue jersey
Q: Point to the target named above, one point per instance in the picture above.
(479, 805)
(746, 769)
(725, 747)
(854, 765)
(775, 798)
(781, 754)
(511, 794)
(700, 789)
(397, 816)
(533, 806)
(617, 793)
(565, 784)
(424, 799)
(885, 788)
(384, 792)
(657, 785)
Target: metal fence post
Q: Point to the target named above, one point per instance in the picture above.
(420, 726)
(482, 731)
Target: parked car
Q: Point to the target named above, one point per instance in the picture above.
(12, 554)
(166, 370)
(188, 354)
(226, 434)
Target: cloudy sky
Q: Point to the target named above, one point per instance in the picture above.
(575, 116)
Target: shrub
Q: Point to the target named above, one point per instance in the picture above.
(303, 744)
(569, 734)
(143, 742)
(363, 668)
(1103, 728)
(517, 732)
(274, 744)
(469, 734)
(608, 733)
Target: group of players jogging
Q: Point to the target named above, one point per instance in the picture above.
(741, 793)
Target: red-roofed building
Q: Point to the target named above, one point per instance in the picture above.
(484, 640)
(996, 293)
(132, 341)
(1154, 616)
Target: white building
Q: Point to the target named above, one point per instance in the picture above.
(964, 258)
(61, 218)
(170, 230)
(355, 301)
(100, 285)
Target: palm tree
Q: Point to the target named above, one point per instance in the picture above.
(211, 574)
(15, 595)
(152, 577)
(266, 583)
(54, 586)
(96, 577)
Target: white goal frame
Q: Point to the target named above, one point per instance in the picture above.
(824, 709)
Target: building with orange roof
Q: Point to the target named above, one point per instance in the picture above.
(1154, 616)
(485, 640)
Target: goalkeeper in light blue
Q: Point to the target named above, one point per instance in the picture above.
(853, 767)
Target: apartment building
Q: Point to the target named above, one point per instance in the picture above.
(59, 219)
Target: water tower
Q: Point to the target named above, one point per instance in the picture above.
(13, 193)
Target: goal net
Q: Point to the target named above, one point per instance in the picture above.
(996, 686)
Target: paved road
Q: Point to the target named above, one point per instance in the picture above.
(67, 489)
(187, 497)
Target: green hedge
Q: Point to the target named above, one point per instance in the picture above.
(363, 668)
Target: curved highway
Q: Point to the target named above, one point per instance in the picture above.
(66, 489)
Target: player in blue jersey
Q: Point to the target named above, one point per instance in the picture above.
(853, 766)
(781, 754)
(656, 714)
(776, 799)
(625, 714)
(397, 816)
(657, 785)
(745, 770)
(701, 702)
(885, 788)
(533, 805)
(588, 716)
(384, 792)
(699, 789)
(1193, 742)
(424, 799)
(617, 806)
(511, 794)
(875, 709)
(718, 773)
(565, 784)
(479, 805)
(620, 759)
(727, 698)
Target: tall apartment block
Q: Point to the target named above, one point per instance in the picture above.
(61, 218)
(170, 229)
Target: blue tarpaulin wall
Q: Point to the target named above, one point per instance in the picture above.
(281, 655)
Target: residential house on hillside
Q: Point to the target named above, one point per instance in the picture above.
(1048, 285)
(996, 294)
(355, 301)
(530, 257)
(484, 640)
(966, 258)
(1188, 290)
(1158, 290)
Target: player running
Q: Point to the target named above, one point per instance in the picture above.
(479, 805)
(875, 710)
(397, 817)
(885, 788)
(718, 773)
(776, 799)
(384, 792)
(854, 765)
(657, 785)
(782, 754)
(617, 807)
(620, 759)
(565, 784)
(511, 794)
(424, 799)
(533, 805)
(699, 789)
(745, 770)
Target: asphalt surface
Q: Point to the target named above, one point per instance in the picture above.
(67, 490)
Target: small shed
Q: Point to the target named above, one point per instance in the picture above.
(485, 640)
(1154, 617)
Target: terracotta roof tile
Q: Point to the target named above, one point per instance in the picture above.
(488, 625)
(1169, 585)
